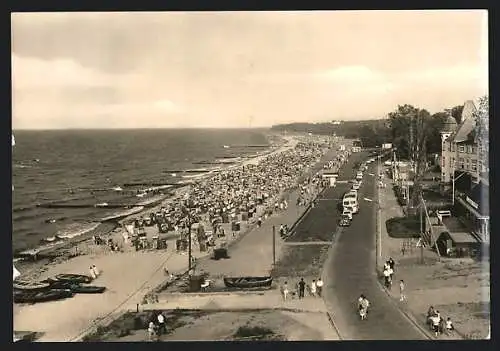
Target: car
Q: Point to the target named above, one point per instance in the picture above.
(355, 186)
(344, 221)
(347, 212)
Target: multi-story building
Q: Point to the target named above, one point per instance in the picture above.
(459, 150)
(464, 166)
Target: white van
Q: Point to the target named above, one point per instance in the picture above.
(350, 201)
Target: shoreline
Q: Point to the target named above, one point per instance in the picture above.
(144, 273)
(33, 262)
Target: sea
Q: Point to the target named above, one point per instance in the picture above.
(79, 169)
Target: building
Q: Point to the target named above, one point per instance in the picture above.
(464, 167)
(357, 146)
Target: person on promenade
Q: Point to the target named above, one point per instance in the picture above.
(152, 331)
(92, 273)
(402, 295)
(302, 288)
(96, 271)
(259, 222)
(319, 285)
(313, 288)
(363, 305)
(285, 290)
(435, 320)
(391, 264)
(162, 327)
(387, 277)
(449, 326)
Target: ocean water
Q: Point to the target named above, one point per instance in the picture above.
(83, 167)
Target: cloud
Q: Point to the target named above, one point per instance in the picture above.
(458, 74)
(28, 73)
(356, 80)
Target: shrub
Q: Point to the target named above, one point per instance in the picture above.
(247, 331)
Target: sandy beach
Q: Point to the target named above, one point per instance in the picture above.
(127, 275)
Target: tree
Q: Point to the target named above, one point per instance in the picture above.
(434, 132)
(456, 112)
(481, 132)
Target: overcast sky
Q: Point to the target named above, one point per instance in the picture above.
(235, 69)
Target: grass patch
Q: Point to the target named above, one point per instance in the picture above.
(301, 261)
(403, 227)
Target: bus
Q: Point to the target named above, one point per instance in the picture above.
(350, 201)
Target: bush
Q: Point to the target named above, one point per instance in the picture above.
(257, 331)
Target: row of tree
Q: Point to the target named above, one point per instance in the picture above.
(410, 129)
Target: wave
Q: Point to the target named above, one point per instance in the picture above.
(76, 229)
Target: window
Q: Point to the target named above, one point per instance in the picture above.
(461, 166)
(474, 162)
(461, 148)
(461, 159)
(474, 168)
(469, 149)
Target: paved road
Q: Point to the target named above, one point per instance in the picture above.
(350, 268)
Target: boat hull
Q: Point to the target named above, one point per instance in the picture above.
(41, 296)
(74, 278)
(248, 282)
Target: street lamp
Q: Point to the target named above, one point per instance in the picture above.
(187, 211)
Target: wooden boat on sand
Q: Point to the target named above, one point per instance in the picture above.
(248, 282)
(30, 286)
(24, 296)
(74, 278)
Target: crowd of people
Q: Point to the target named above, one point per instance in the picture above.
(437, 323)
(315, 289)
(250, 192)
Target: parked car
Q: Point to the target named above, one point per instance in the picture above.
(345, 221)
(347, 212)
(355, 186)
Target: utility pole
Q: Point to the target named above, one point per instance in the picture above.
(189, 244)
(274, 245)
(421, 231)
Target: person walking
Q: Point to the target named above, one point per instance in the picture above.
(449, 326)
(387, 277)
(96, 271)
(402, 296)
(391, 264)
(152, 331)
(92, 273)
(313, 288)
(162, 328)
(302, 287)
(285, 291)
(319, 286)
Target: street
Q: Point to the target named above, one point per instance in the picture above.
(350, 268)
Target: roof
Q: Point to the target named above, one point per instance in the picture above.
(480, 195)
(467, 125)
(450, 125)
(461, 237)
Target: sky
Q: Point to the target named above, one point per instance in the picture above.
(240, 69)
